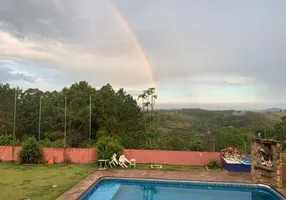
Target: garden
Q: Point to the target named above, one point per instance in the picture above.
(37, 181)
(32, 176)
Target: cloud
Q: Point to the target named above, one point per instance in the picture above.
(8, 75)
(78, 61)
(70, 41)
(226, 49)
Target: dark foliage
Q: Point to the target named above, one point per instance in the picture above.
(31, 152)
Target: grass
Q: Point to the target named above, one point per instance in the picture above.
(35, 181)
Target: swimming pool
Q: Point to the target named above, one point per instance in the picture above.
(152, 189)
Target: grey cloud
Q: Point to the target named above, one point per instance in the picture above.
(29, 17)
(230, 39)
(89, 24)
(7, 75)
(182, 39)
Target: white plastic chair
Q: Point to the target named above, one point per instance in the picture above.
(113, 161)
(123, 160)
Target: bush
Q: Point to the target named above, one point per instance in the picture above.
(31, 152)
(46, 143)
(213, 164)
(102, 132)
(7, 140)
(56, 144)
(53, 136)
(59, 144)
(87, 144)
(107, 146)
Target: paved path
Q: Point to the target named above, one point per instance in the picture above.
(224, 176)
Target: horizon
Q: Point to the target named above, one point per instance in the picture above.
(246, 106)
(214, 55)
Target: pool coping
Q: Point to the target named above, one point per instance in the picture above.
(274, 190)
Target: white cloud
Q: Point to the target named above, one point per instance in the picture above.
(124, 70)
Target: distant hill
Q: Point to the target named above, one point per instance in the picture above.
(200, 121)
(270, 110)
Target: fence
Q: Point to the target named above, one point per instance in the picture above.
(173, 157)
(76, 155)
(84, 156)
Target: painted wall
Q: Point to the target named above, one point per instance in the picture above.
(84, 156)
(7, 153)
(76, 155)
(172, 157)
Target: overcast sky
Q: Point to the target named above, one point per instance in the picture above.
(204, 52)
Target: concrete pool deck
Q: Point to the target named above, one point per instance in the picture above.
(195, 175)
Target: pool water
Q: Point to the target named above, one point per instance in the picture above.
(120, 189)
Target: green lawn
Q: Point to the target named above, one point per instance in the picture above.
(17, 181)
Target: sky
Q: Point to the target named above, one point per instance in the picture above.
(213, 54)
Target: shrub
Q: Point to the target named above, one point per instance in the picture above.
(87, 144)
(46, 143)
(59, 144)
(31, 152)
(53, 136)
(7, 140)
(102, 132)
(107, 146)
(56, 144)
(213, 164)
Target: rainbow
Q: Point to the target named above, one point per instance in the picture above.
(127, 27)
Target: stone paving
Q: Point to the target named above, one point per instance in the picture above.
(224, 176)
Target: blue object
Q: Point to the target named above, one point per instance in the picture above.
(133, 189)
(245, 161)
(235, 167)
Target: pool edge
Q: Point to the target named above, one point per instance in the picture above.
(82, 195)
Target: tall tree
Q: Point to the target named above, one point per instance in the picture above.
(148, 98)
(7, 96)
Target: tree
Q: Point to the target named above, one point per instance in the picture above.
(280, 130)
(28, 112)
(7, 96)
(78, 103)
(148, 98)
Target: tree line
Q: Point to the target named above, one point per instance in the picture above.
(113, 113)
(85, 114)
